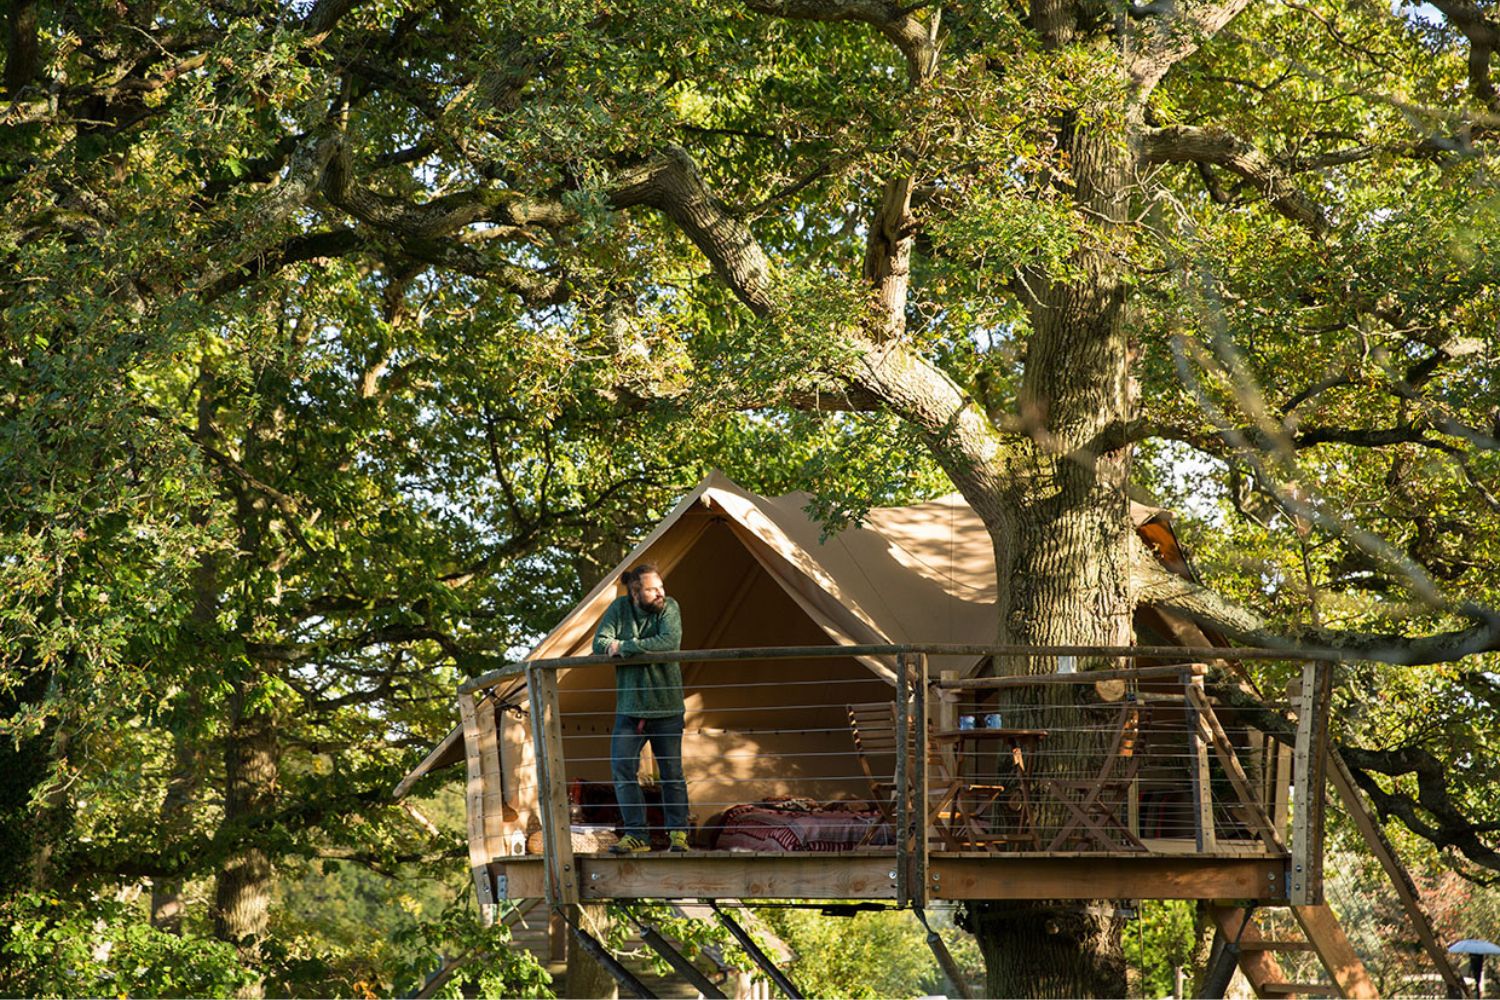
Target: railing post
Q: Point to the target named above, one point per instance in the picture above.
(1310, 763)
(1203, 801)
(918, 885)
(475, 795)
(903, 779)
(552, 787)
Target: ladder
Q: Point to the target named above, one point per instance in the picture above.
(1313, 929)
(1316, 929)
(1320, 929)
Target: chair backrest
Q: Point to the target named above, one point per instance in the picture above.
(1122, 761)
(873, 727)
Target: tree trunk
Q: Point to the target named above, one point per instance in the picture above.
(1204, 927)
(1064, 544)
(182, 786)
(1049, 950)
(166, 893)
(586, 978)
(27, 835)
(242, 897)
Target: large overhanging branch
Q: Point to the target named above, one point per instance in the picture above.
(1483, 35)
(440, 216)
(1157, 586)
(892, 20)
(1170, 36)
(882, 367)
(671, 184)
(303, 176)
(964, 440)
(1228, 442)
(1431, 813)
(1190, 144)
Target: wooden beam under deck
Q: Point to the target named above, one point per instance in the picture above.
(872, 875)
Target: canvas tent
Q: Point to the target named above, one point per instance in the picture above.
(749, 570)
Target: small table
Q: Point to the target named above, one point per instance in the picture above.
(965, 826)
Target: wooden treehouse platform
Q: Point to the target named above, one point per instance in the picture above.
(863, 773)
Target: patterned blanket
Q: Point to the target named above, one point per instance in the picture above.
(801, 825)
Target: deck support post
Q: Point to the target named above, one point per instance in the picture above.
(756, 955)
(1310, 763)
(903, 778)
(687, 970)
(1223, 959)
(916, 887)
(601, 954)
(552, 787)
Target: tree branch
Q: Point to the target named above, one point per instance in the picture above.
(1484, 36)
(1190, 144)
(324, 15)
(1157, 586)
(22, 54)
(1169, 38)
(303, 247)
(892, 20)
(1448, 826)
(671, 184)
(441, 216)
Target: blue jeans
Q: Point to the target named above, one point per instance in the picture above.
(629, 736)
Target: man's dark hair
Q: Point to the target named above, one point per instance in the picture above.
(630, 576)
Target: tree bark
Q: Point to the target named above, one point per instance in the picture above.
(1049, 950)
(23, 56)
(166, 893)
(1204, 927)
(203, 637)
(243, 893)
(1063, 548)
(586, 978)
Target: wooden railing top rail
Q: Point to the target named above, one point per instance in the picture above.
(1075, 677)
(1183, 655)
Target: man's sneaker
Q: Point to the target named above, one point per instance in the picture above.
(630, 844)
(677, 842)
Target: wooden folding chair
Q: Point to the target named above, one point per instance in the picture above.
(873, 727)
(1094, 805)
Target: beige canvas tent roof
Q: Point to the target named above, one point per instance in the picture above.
(754, 571)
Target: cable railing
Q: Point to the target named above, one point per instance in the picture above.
(876, 755)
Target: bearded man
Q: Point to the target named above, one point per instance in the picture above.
(648, 705)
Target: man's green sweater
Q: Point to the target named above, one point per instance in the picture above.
(643, 690)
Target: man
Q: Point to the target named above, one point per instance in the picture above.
(648, 705)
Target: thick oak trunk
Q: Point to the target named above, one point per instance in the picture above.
(243, 893)
(1049, 950)
(1063, 553)
(586, 978)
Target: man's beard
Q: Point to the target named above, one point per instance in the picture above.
(661, 602)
